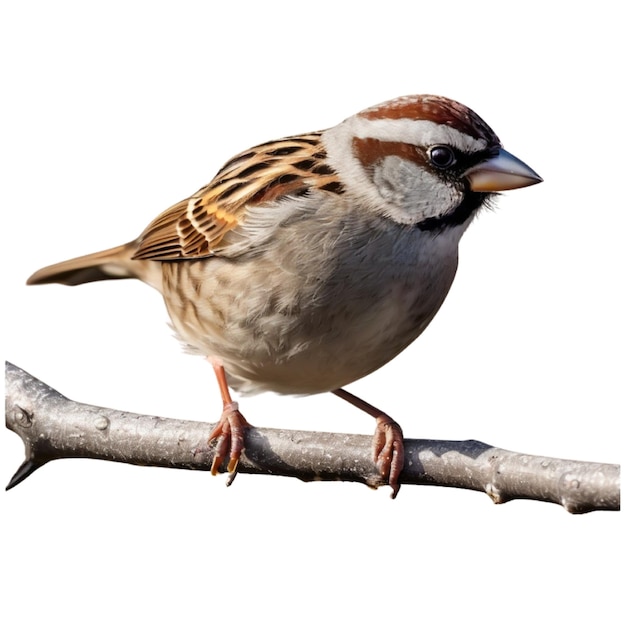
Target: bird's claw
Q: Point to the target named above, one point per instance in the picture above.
(388, 447)
(230, 434)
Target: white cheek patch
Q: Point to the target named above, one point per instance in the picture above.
(412, 193)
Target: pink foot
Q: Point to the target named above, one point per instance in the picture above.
(388, 443)
(388, 447)
(230, 434)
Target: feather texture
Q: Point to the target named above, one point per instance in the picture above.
(195, 227)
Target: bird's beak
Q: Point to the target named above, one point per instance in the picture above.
(500, 172)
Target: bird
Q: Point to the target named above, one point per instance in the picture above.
(311, 261)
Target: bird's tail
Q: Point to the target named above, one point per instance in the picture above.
(109, 264)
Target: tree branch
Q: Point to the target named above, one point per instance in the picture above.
(54, 427)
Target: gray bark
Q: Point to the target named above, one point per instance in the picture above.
(54, 427)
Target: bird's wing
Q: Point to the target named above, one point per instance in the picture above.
(194, 228)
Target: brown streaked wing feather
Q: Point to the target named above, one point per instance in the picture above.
(194, 228)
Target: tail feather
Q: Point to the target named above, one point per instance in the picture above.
(111, 264)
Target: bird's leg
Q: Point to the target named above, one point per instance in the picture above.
(231, 428)
(388, 443)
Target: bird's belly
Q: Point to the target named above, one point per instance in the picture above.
(309, 361)
(283, 332)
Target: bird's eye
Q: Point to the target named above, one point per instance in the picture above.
(441, 157)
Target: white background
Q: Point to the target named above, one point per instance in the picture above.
(111, 113)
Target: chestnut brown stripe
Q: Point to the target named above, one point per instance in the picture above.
(369, 151)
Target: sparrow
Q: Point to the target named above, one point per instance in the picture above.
(309, 262)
